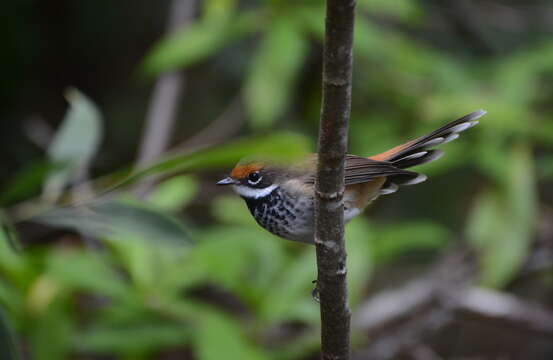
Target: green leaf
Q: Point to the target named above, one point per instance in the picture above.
(26, 182)
(399, 239)
(8, 236)
(139, 259)
(230, 209)
(8, 344)
(516, 78)
(132, 339)
(218, 9)
(151, 268)
(51, 332)
(11, 299)
(490, 230)
(173, 194)
(86, 271)
(485, 220)
(111, 218)
(492, 158)
(197, 42)
(14, 266)
(521, 190)
(219, 337)
(545, 167)
(402, 9)
(74, 144)
(210, 261)
(270, 83)
(502, 224)
(359, 243)
(281, 146)
(311, 18)
(289, 297)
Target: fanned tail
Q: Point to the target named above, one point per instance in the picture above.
(419, 151)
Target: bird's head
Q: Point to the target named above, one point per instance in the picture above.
(252, 179)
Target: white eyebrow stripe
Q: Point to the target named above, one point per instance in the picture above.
(248, 192)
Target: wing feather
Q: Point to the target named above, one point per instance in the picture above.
(359, 170)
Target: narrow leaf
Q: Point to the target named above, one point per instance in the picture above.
(270, 83)
(50, 334)
(197, 42)
(502, 225)
(408, 237)
(27, 182)
(74, 144)
(174, 193)
(220, 337)
(85, 271)
(8, 234)
(118, 219)
(8, 346)
(279, 146)
(132, 339)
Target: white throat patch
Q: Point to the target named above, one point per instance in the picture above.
(251, 193)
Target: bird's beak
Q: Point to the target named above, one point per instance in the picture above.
(226, 181)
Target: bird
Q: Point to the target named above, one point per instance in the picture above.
(281, 197)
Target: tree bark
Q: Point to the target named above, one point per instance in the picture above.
(329, 216)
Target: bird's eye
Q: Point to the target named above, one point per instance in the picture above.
(254, 178)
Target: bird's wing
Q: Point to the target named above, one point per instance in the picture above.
(392, 163)
(360, 170)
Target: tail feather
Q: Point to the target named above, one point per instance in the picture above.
(445, 134)
(418, 158)
(419, 151)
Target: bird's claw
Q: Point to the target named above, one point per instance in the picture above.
(315, 292)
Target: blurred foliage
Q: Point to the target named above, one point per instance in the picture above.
(74, 145)
(187, 269)
(503, 222)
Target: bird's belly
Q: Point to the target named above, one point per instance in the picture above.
(303, 229)
(350, 213)
(292, 217)
(283, 215)
(296, 224)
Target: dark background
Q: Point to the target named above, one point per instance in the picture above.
(235, 289)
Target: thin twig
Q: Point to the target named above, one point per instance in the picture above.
(164, 104)
(329, 221)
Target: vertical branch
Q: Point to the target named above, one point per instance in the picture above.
(165, 98)
(329, 217)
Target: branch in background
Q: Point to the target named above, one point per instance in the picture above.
(164, 104)
(400, 320)
(329, 216)
(422, 352)
(224, 126)
(506, 309)
(38, 131)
